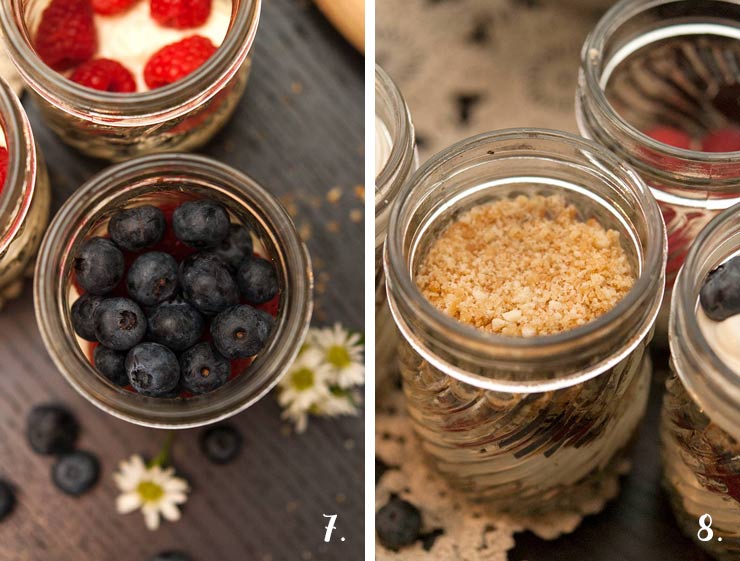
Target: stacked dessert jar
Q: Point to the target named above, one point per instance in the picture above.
(165, 181)
(177, 117)
(658, 87)
(701, 410)
(395, 161)
(525, 424)
(24, 197)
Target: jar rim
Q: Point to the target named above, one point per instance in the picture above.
(591, 68)
(132, 109)
(94, 198)
(20, 183)
(459, 335)
(711, 382)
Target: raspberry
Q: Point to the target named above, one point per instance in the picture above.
(66, 35)
(722, 140)
(106, 75)
(670, 136)
(3, 166)
(177, 60)
(111, 7)
(180, 14)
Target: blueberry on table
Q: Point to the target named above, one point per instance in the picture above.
(152, 369)
(171, 556)
(201, 224)
(221, 444)
(207, 283)
(257, 280)
(239, 332)
(176, 325)
(203, 369)
(51, 429)
(7, 499)
(236, 247)
(111, 364)
(83, 315)
(119, 323)
(398, 524)
(720, 295)
(137, 228)
(99, 266)
(152, 278)
(75, 473)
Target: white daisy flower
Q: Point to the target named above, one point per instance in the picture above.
(153, 489)
(305, 384)
(343, 352)
(340, 402)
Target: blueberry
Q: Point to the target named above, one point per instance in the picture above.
(51, 429)
(152, 278)
(207, 283)
(75, 473)
(203, 369)
(257, 280)
(135, 229)
(265, 326)
(83, 316)
(236, 247)
(398, 524)
(201, 224)
(119, 323)
(99, 266)
(152, 369)
(171, 556)
(239, 332)
(176, 325)
(7, 499)
(720, 295)
(111, 364)
(221, 444)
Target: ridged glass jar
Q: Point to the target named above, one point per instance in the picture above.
(396, 160)
(178, 117)
(24, 200)
(525, 424)
(659, 63)
(161, 180)
(700, 429)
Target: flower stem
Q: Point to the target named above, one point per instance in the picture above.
(163, 458)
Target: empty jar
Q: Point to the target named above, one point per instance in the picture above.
(525, 424)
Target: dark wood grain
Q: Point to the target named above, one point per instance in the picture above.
(298, 131)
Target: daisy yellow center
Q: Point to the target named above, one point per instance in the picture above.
(302, 379)
(149, 491)
(338, 356)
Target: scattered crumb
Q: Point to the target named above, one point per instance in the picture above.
(349, 444)
(526, 266)
(355, 215)
(296, 88)
(360, 192)
(341, 498)
(332, 226)
(305, 231)
(292, 506)
(334, 195)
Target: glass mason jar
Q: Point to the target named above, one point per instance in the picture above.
(666, 63)
(525, 424)
(24, 199)
(157, 180)
(395, 161)
(700, 428)
(178, 117)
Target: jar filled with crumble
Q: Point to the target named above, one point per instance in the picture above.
(658, 87)
(395, 161)
(166, 182)
(180, 116)
(700, 427)
(24, 197)
(520, 400)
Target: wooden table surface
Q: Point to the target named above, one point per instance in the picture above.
(299, 131)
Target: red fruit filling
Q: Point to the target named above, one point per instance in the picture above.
(112, 7)
(175, 61)
(670, 136)
(180, 14)
(105, 75)
(3, 167)
(66, 35)
(722, 140)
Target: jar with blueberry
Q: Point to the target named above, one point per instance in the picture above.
(395, 161)
(525, 271)
(24, 195)
(135, 77)
(173, 291)
(658, 87)
(700, 429)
